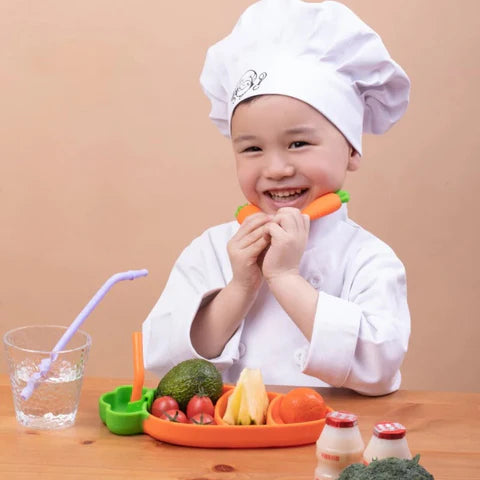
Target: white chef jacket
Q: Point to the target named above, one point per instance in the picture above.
(361, 328)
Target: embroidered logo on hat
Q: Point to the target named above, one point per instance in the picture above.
(249, 80)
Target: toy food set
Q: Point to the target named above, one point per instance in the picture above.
(192, 407)
(244, 415)
(323, 205)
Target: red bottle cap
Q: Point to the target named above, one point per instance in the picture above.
(389, 430)
(341, 419)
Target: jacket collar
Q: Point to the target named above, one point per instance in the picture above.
(321, 227)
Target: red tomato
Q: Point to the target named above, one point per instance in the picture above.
(175, 416)
(202, 419)
(200, 404)
(161, 404)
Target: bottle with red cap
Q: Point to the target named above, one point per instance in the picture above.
(388, 440)
(340, 444)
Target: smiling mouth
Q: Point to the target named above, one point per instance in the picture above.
(286, 195)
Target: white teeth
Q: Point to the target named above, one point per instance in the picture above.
(285, 193)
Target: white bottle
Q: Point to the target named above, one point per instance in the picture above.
(339, 445)
(388, 440)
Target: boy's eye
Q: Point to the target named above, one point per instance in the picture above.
(252, 149)
(298, 144)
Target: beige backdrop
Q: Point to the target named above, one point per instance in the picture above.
(109, 163)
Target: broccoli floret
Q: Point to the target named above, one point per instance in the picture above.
(353, 472)
(387, 469)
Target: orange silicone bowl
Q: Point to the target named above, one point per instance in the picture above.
(273, 412)
(234, 436)
(274, 417)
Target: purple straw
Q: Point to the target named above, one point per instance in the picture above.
(46, 363)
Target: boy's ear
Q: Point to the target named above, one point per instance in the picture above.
(353, 160)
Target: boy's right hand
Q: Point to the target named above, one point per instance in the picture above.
(244, 250)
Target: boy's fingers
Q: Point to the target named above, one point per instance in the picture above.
(252, 237)
(291, 210)
(256, 218)
(252, 222)
(261, 256)
(256, 248)
(250, 229)
(276, 231)
(289, 218)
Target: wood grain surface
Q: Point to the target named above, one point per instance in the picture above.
(444, 427)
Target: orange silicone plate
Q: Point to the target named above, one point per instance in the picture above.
(236, 436)
(274, 434)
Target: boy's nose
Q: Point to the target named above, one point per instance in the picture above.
(278, 167)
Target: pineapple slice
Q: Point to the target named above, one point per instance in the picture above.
(253, 409)
(243, 417)
(248, 402)
(233, 405)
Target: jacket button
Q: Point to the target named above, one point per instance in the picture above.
(241, 349)
(315, 281)
(299, 357)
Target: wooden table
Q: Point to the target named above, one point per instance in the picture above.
(444, 427)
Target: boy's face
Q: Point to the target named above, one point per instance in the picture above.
(287, 153)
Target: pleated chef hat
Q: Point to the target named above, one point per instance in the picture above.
(320, 53)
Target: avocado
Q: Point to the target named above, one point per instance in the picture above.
(189, 378)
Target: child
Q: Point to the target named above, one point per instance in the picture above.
(320, 303)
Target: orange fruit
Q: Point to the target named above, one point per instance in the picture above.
(302, 404)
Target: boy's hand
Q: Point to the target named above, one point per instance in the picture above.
(288, 232)
(244, 249)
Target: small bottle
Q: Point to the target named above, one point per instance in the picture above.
(339, 445)
(388, 440)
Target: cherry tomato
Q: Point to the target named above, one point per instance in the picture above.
(200, 404)
(202, 419)
(161, 404)
(175, 416)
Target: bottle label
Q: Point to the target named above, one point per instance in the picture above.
(338, 462)
(329, 456)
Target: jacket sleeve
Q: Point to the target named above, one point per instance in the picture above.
(360, 339)
(198, 274)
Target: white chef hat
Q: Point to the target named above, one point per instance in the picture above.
(320, 53)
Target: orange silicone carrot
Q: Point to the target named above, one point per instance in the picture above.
(323, 206)
(246, 210)
(320, 207)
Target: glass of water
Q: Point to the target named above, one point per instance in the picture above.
(54, 402)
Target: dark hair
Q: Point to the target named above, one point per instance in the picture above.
(247, 100)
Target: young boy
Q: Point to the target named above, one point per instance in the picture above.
(312, 303)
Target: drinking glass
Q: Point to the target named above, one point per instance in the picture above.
(54, 402)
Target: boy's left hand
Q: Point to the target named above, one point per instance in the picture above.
(289, 234)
